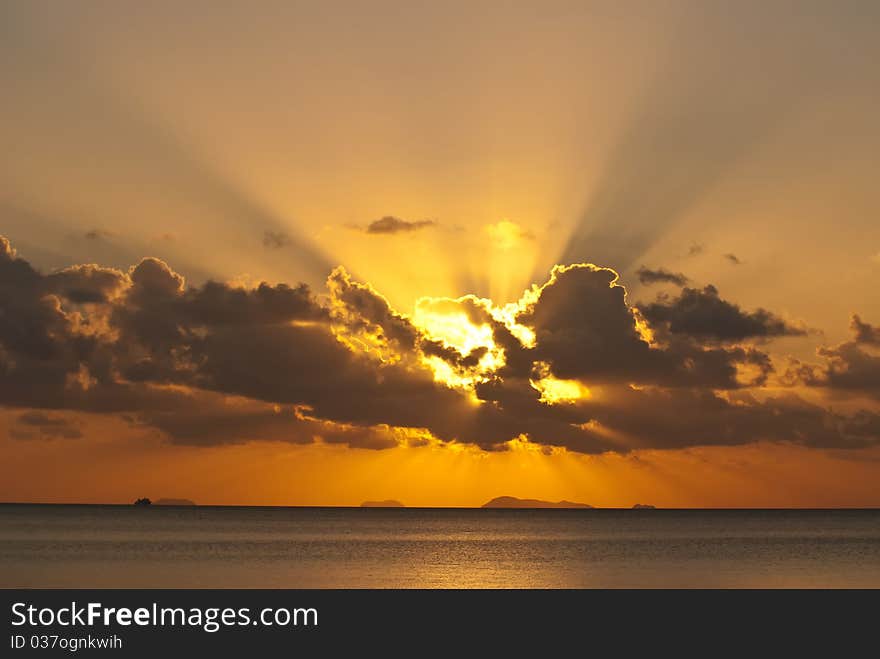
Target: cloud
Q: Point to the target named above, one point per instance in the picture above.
(218, 363)
(864, 333)
(849, 368)
(39, 425)
(584, 329)
(390, 224)
(97, 234)
(703, 314)
(660, 276)
(696, 249)
(733, 259)
(275, 239)
(45, 337)
(85, 284)
(680, 418)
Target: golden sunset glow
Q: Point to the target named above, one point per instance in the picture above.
(444, 321)
(554, 390)
(506, 235)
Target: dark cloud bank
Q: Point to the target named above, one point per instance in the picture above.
(217, 364)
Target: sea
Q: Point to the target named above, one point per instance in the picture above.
(107, 546)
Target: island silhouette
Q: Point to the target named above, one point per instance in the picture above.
(514, 502)
(497, 502)
(146, 501)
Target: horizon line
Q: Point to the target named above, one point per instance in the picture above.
(360, 507)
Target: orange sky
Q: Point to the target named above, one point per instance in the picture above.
(108, 470)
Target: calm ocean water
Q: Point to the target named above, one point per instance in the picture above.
(124, 546)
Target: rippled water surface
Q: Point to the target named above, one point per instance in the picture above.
(125, 546)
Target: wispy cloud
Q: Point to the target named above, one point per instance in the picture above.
(390, 224)
(648, 276)
(275, 239)
(733, 259)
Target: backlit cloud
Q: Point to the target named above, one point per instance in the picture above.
(571, 364)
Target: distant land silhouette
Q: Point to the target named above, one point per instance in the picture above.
(387, 503)
(145, 501)
(174, 502)
(513, 502)
(643, 506)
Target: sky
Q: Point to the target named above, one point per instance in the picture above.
(319, 253)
